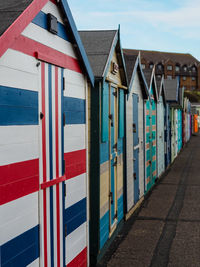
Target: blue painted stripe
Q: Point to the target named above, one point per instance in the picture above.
(74, 109)
(51, 162)
(41, 21)
(104, 229)
(75, 215)
(104, 152)
(18, 106)
(120, 146)
(120, 208)
(63, 164)
(22, 250)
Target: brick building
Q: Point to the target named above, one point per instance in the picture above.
(172, 65)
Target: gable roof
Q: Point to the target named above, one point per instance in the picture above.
(133, 64)
(16, 15)
(151, 80)
(161, 89)
(99, 46)
(158, 56)
(171, 90)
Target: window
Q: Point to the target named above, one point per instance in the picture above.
(169, 67)
(160, 67)
(143, 66)
(151, 65)
(159, 77)
(185, 68)
(169, 77)
(194, 69)
(193, 79)
(193, 88)
(184, 78)
(177, 68)
(184, 87)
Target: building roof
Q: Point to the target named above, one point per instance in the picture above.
(158, 56)
(10, 10)
(132, 65)
(148, 76)
(12, 24)
(171, 89)
(98, 45)
(130, 61)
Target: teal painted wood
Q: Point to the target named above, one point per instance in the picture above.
(121, 113)
(105, 112)
(160, 137)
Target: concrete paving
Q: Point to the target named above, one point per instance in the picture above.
(166, 230)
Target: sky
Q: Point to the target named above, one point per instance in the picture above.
(163, 25)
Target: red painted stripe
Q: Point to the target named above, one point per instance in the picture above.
(75, 163)
(20, 24)
(44, 162)
(53, 182)
(45, 53)
(57, 167)
(80, 260)
(18, 180)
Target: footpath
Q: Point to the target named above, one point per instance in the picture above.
(166, 230)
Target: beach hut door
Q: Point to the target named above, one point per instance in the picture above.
(135, 148)
(113, 155)
(51, 165)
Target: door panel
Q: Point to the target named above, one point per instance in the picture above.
(113, 154)
(51, 166)
(135, 148)
(135, 120)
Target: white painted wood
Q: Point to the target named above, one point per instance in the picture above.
(19, 61)
(138, 90)
(42, 36)
(34, 263)
(51, 8)
(18, 216)
(75, 190)
(75, 243)
(74, 84)
(74, 137)
(18, 79)
(18, 143)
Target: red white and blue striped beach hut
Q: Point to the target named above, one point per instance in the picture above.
(44, 79)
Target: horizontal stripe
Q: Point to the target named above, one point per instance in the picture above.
(75, 163)
(46, 38)
(75, 190)
(21, 250)
(42, 21)
(16, 217)
(74, 137)
(31, 47)
(74, 110)
(104, 152)
(18, 107)
(18, 180)
(50, 8)
(53, 182)
(75, 215)
(10, 35)
(79, 260)
(18, 143)
(75, 243)
(75, 84)
(104, 167)
(104, 209)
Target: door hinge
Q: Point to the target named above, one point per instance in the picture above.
(134, 176)
(115, 94)
(63, 83)
(41, 115)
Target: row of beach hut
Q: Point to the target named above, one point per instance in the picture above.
(85, 133)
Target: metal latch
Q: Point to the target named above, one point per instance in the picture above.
(111, 197)
(115, 94)
(134, 176)
(111, 118)
(41, 115)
